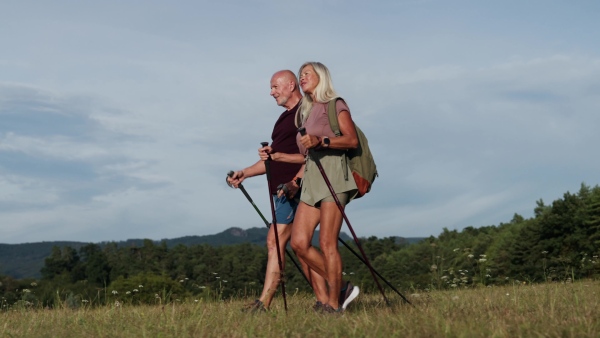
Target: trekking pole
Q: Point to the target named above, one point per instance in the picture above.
(281, 273)
(302, 132)
(268, 225)
(377, 273)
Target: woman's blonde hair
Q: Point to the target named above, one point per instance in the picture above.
(324, 91)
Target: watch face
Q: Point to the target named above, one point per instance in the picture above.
(326, 141)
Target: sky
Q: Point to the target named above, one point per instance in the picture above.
(120, 119)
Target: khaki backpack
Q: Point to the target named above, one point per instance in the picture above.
(360, 160)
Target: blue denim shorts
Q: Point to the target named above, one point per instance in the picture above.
(285, 209)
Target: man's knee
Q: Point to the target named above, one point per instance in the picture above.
(283, 232)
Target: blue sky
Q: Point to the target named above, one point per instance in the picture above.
(120, 119)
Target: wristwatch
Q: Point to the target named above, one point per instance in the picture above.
(326, 142)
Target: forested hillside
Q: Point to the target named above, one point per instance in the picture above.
(561, 242)
(26, 260)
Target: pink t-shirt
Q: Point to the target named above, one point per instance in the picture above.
(317, 122)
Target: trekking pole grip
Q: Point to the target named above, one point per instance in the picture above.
(229, 174)
(264, 144)
(302, 131)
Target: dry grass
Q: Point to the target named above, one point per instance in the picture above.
(544, 310)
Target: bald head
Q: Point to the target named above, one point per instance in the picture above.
(284, 88)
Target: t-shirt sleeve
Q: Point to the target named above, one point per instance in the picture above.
(341, 105)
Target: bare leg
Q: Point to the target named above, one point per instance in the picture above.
(331, 223)
(306, 221)
(272, 275)
(317, 282)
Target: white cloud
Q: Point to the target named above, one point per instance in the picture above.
(124, 119)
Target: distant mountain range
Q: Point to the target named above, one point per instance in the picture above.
(26, 260)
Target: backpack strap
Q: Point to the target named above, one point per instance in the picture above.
(333, 120)
(335, 127)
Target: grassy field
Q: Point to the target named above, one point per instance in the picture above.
(538, 310)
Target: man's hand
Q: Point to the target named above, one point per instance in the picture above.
(236, 179)
(289, 189)
(264, 152)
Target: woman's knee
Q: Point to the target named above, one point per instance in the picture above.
(328, 246)
(299, 246)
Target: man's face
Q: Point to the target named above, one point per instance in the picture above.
(280, 90)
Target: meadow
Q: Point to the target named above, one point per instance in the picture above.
(517, 310)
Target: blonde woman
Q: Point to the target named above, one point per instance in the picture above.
(317, 206)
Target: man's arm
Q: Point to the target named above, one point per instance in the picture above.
(239, 176)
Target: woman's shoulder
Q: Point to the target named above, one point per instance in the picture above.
(340, 105)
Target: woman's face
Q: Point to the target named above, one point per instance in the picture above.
(308, 79)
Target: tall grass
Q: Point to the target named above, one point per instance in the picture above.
(518, 310)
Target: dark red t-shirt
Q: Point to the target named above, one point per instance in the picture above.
(284, 141)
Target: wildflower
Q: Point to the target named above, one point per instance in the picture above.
(218, 277)
(186, 278)
(224, 281)
(26, 291)
(181, 281)
(195, 300)
(117, 304)
(343, 273)
(453, 285)
(135, 290)
(544, 252)
(128, 292)
(156, 295)
(351, 273)
(455, 250)
(34, 284)
(508, 294)
(481, 260)
(470, 256)
(85, 301)
(202, 287)
(140, 286)
(444, 277)
(114, 292)
(488, 275)
(214, 273)
(483, 256)
(433, 267)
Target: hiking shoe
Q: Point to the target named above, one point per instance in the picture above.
(327, 309)
(347, 295)
(318, 307)
(256, 306)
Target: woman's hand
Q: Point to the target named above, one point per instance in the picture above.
(310, 141)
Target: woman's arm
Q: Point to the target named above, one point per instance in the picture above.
(348, 140)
